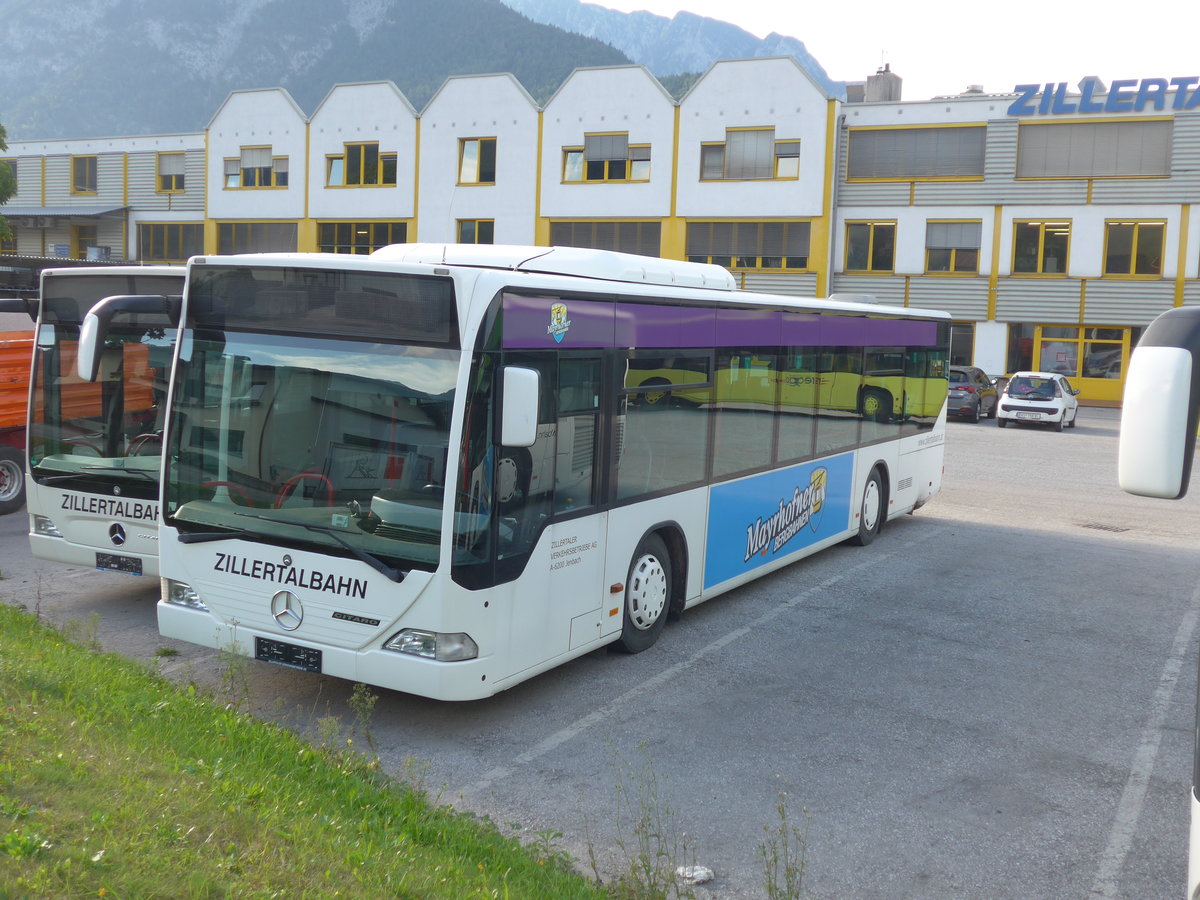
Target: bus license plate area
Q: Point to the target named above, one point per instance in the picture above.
(112, 562)
(283, 654)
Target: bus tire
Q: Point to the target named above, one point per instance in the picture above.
(12, 480)
(873, 511)
(877, 405)
(647, 595)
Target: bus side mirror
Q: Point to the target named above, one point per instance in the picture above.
(1157, 444)
(519, 413)
(95, 325)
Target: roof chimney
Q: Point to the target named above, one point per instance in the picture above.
(884, 85)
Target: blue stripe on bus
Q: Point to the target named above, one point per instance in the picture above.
(758, 520)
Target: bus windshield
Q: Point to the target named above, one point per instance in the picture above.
(110, 428)
(297, 439)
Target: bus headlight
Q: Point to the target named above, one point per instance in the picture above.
(181, 595)
(434, 645)
(45, 527)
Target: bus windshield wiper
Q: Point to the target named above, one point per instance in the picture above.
(370, 559)
(203, 537)
(88, 470)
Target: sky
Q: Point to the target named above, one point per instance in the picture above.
(940, 47)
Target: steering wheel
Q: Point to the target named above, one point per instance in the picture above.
(289, 486)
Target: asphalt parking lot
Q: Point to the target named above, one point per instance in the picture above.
(995, 699)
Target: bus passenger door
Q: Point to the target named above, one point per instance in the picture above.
(558, 481)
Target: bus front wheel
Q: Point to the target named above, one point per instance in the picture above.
(873, 511)
(647, 595)
(12, 480)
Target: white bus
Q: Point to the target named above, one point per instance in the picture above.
(1159, 419)
(93, 448)
(443, 469)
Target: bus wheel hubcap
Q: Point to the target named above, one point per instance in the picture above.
(10, 480)
(870, 507)
(647, 592)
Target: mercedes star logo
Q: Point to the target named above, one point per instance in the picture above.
(116, 534)
(286, 610)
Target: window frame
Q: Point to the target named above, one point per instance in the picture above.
(873, 225)
(275, 169)
(747, 263)
(635, 154)
(1025, 130)
(177, 183)
(480, 143)
(1043, 225)
(489, 225)
(907, 129)
(953, 270)
(160, 233)
(374, 239)
(90, 173)
(382, 163)
(781, 149)
(1137, 225)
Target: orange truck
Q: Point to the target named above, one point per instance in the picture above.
(16, 352)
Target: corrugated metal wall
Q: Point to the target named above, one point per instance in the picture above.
(1037, 300)
(792, 285)
(963, 298)
(1126, 302)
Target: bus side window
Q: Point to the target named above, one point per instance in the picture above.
(577, 431)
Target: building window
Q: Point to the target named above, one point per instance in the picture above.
(477, 161)
(750, 154)
(256, 237)
(476, 231)
(1040, 248)
(170, 173)
(606, 157)
(256, 168)
(1094, 149)
(916, 152)
(361, 165)
(642, 238)
(870, 246)
(359, 237)
(84, 242)
(952, 247)
(83, 174)
(749, 245)
(1133, 248)
(170, 241)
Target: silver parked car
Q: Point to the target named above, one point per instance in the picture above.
(972, 394)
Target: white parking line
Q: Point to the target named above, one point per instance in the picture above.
(616, 706)
(1130, 808)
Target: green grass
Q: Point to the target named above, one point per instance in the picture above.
(115, 783)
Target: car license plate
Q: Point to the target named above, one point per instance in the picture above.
(289, 655)
(111, 562)
(1029, 415)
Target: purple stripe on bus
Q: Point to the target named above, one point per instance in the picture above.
(543, 322)
(666, 326)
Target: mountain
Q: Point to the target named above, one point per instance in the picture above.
(682, 44)
(94, 68)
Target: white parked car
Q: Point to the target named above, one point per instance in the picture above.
(1039, 397)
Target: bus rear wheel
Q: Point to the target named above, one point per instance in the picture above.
(647, 595)
(12, 480)
(873, 511)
